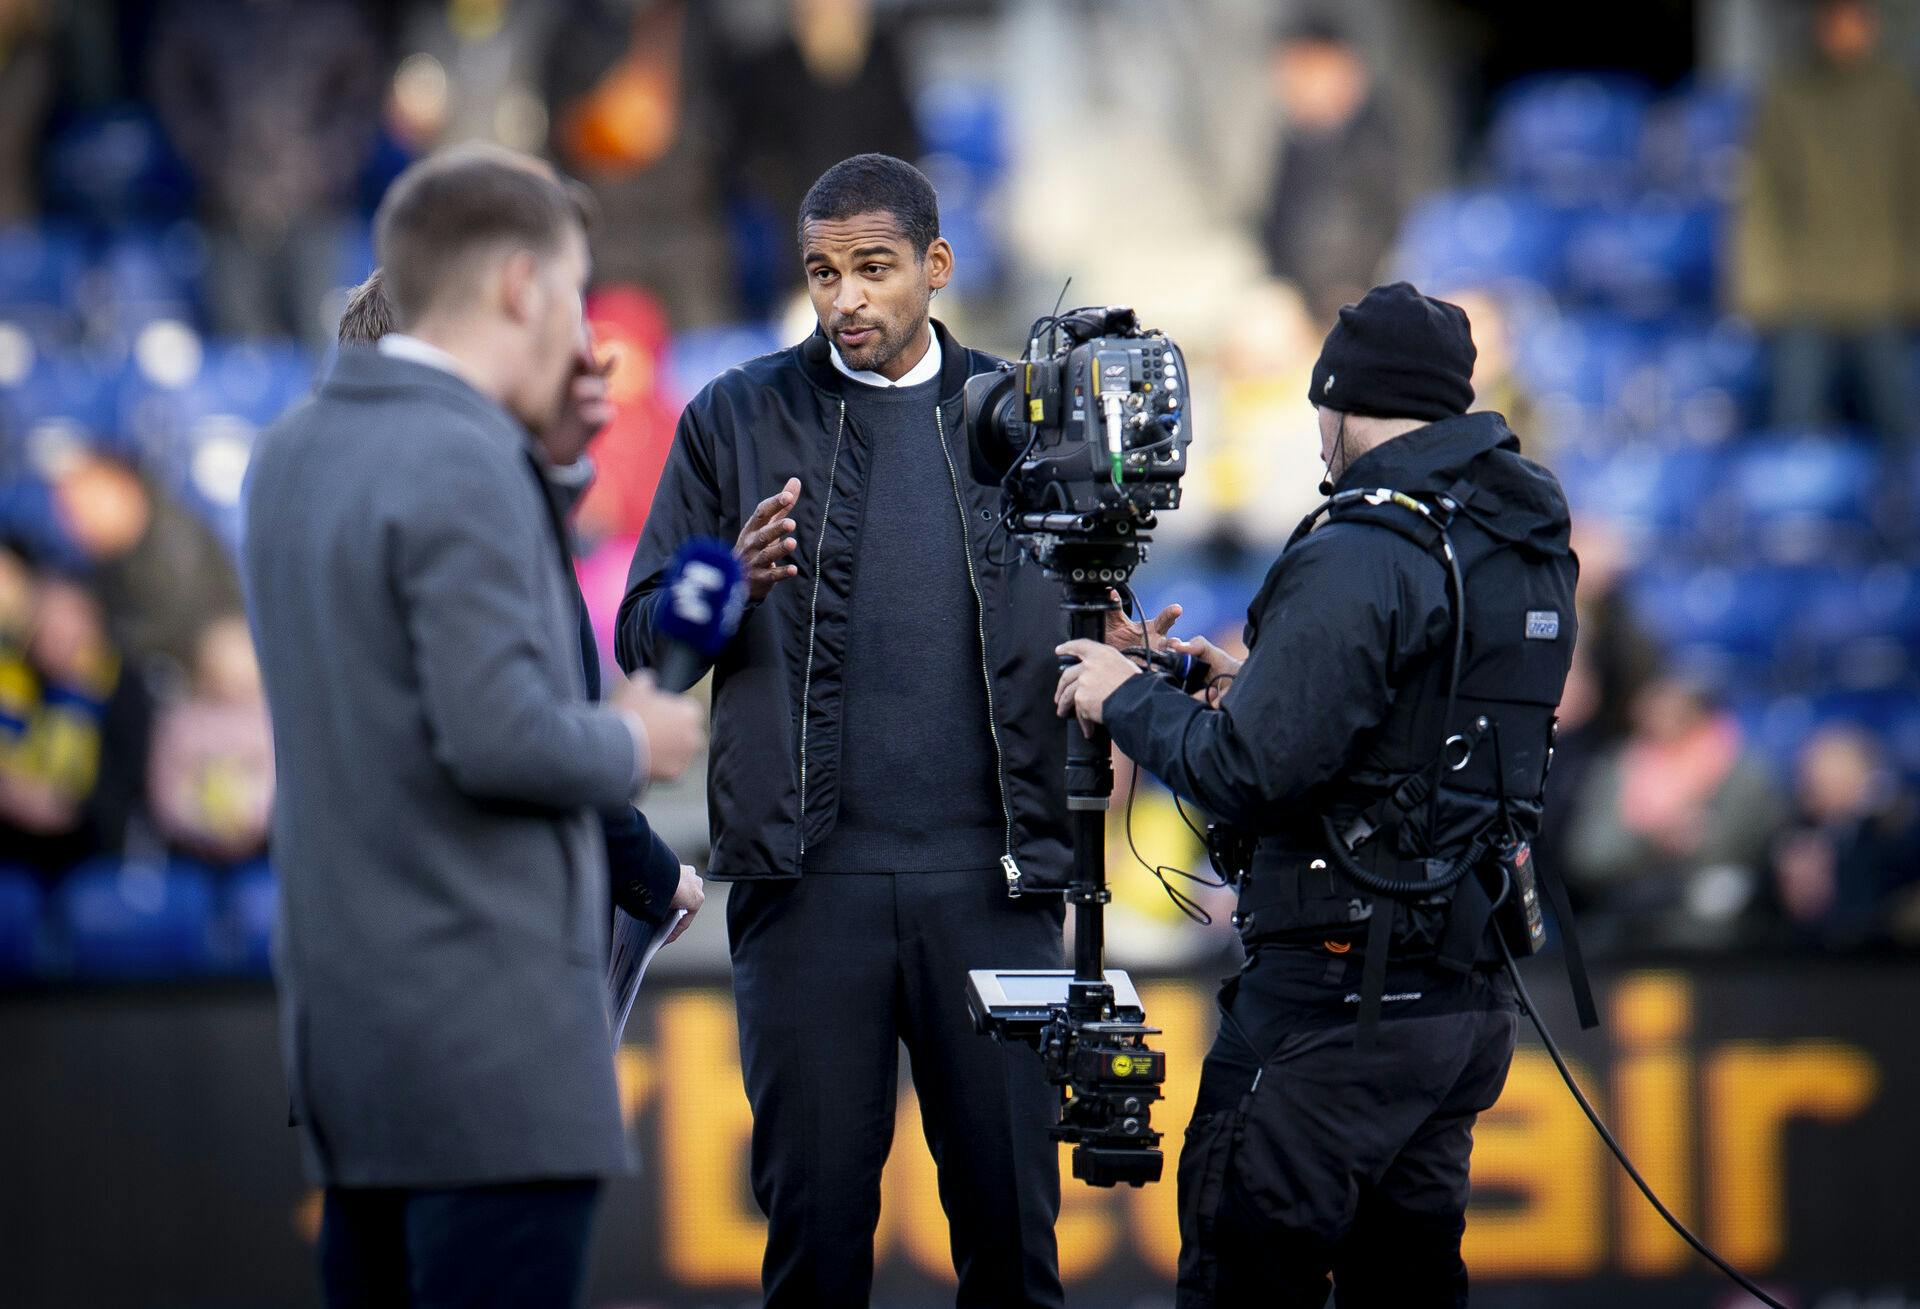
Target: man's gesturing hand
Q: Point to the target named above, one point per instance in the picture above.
(675, 725)
(764, 542)
(1085, 686)
(690, 895)
(1123, 631)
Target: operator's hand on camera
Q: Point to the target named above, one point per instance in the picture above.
(1123, 631)
(690, 895)
(1221, 666)
(766, 541)
(1085, 685)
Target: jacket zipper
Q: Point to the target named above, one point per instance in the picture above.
(813, 616)
(1009, 868)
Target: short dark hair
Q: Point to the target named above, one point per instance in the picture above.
(876, 183)
(443, 210)
(369, 314)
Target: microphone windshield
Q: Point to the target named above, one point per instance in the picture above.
(706, 596)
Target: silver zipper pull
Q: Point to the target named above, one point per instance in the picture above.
(1012, 870)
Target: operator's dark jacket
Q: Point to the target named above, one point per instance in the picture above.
(1348, 632)
(777, 688)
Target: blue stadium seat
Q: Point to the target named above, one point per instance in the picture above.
(1481, 238)
(1695, 140)
(964, 122)
(697, 357)
(115, 166)
(1572, 138)
(1587, 357)
(1859, 627)
(21, 901)
(1715, 373)
(1794, 498)
(146, 274)
(40, 268)
(1649, 257)
(136, 921)
(251, 382)
(1717, 615)
(248, 904)
(1780, 728)
(1654, 491)
(70, 388)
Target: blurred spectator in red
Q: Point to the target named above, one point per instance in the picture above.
(210, 782)
(1675, 827)
(631, 330)
(1853, 853)
(636, 116)
(161, 573)
(274, 105)
(834, 86)
(26, 90)
(1827, 251)
(1335, 201)
(73, 723)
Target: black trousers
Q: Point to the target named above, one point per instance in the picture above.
(1310, 1160)
(472, 1247)
(831, 973)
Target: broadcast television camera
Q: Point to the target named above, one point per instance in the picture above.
(1087, 441)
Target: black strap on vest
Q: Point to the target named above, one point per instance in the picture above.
(1470, 908)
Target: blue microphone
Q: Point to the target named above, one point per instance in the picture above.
(706, 594)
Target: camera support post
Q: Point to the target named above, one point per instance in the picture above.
(1086, 444)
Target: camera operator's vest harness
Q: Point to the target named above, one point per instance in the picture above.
(1448, 905)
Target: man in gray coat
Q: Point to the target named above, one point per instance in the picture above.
(444, 910)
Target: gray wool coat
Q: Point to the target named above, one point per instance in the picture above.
(443, 915)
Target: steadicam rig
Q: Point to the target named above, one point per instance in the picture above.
(1087, 439)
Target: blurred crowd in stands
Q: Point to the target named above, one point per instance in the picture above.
(1695, 298)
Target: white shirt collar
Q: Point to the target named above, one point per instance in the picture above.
(398, 345)
(925, 370)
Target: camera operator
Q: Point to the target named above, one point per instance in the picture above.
(1365, 1031)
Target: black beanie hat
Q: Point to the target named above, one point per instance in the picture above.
(1397, 354)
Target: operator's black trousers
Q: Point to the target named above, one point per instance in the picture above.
(1310, 1158)
(831, 973)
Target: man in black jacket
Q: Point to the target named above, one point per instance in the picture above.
(887, 787)
(1320, 1146)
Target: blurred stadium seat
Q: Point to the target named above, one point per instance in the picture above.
(115, 166)
(144, 274)
(1652, 256)
(1793, 498)
(44, 386)
(1696, 138)
(1482, 238)
(20, 907)
(1571, 138)
(136, 920)
(40, 271)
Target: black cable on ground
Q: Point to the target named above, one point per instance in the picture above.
(1566, 1074)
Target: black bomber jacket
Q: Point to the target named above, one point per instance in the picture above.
(773, 774)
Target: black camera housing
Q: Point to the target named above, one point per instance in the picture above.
(1087, 438)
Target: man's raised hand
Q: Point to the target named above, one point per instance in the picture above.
(1122, 632)
(765, 542)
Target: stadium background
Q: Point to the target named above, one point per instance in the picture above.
(1693, 268)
